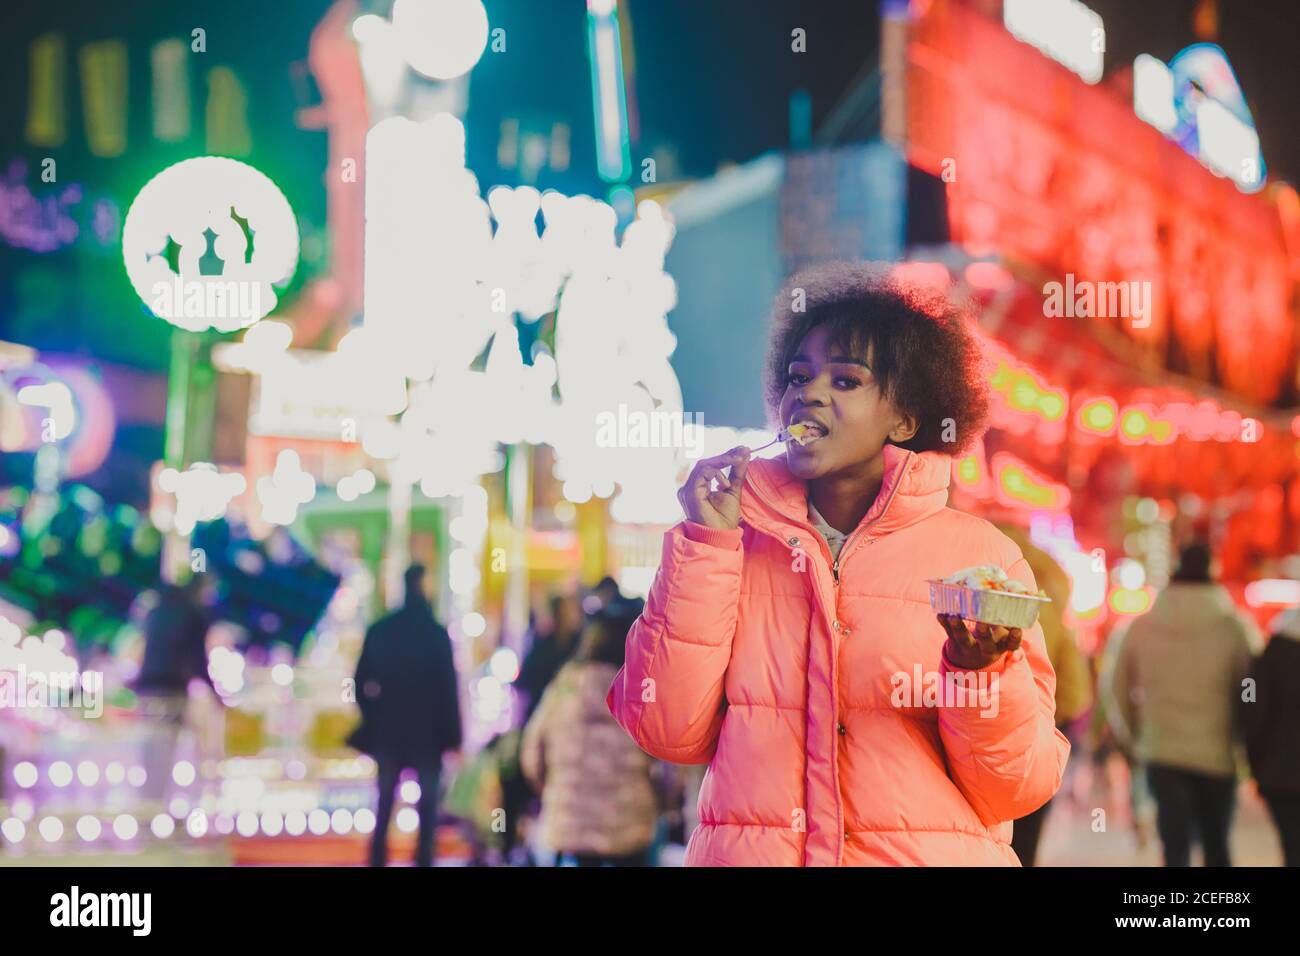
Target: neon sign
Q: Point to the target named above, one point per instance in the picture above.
(55, 220)
(1066, 30)
(608, 91)
(1139, 425)
(971, 473)
(1025, 391)
(1197, 102)
(1019, 485)
(1143, 423)
(184, 202)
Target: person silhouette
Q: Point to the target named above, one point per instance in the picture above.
(408, 694)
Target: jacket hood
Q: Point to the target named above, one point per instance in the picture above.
(915, 486)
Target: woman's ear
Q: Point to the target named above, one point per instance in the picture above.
(904, 428)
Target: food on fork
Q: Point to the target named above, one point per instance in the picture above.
(802, 432)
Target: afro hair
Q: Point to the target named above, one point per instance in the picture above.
(925, 356)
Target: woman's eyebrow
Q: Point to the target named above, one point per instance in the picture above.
(833, 360)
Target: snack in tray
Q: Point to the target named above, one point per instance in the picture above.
(989, 577)
(985, 593)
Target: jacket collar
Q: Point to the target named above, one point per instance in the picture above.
(915, 486)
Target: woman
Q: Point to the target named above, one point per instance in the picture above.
(598, 798)
(791, 608)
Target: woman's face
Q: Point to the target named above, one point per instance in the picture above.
(839, 394)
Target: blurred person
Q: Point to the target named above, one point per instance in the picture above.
(1105, 743)
(1073, 675)
(605, 592)
(409, 697)
(175, 634)
(1175, 683)
(598, 793)
(552, 646)
(793, 599)
(1272, 729)
(175, 653)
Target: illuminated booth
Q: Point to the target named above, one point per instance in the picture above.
(1127, 250)
(1131, 266)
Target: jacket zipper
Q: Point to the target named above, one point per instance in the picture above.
(844, 549)
(835, 573)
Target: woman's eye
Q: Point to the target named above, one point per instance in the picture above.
(795, 378)
(847, 382)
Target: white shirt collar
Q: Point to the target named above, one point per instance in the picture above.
(820, 524)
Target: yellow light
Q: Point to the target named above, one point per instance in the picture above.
(46, 116)
(1052, 405)
(999, 377)
(104, 96)
(1134, 423)
(1024, 396)
(1018, 484)
(1098, 415)
(227, 114)
(1130, 602)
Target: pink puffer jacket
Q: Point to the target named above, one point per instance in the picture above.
(821, 706)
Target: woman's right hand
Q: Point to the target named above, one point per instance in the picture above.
(716, 509)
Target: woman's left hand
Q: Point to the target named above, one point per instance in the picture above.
(987, 644)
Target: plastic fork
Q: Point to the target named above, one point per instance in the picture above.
(782, 436)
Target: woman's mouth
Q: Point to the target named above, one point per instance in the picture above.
(804, 433)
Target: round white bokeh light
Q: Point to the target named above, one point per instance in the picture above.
(441, 39)
(181, 204)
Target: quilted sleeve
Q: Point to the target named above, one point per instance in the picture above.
(1004, 751)
(669, 693)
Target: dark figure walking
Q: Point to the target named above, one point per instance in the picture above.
(1176, 685)
(175, 652)
(410, 710)
(1272, 722)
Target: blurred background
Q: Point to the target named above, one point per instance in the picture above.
(461, 233)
